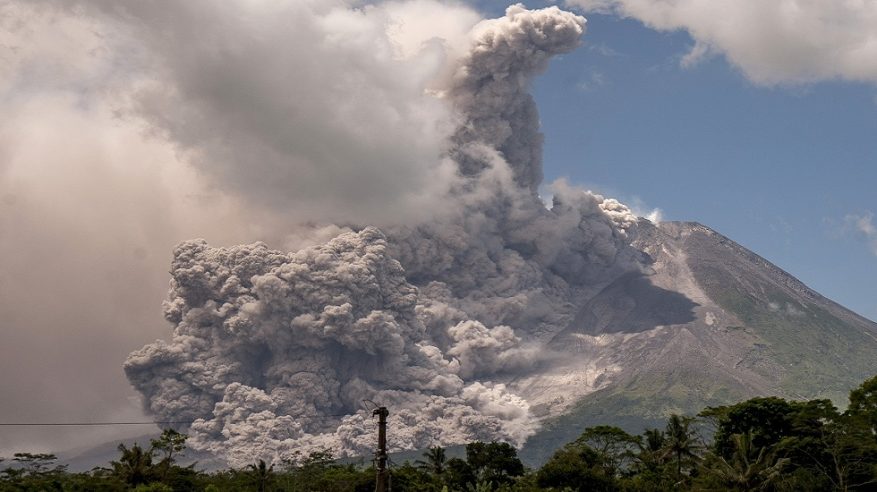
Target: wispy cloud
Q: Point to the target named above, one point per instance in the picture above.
(603, 50)
(592, 81)
(639, 207)
(863, 225)
(698, 53)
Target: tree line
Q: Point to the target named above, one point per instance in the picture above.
(762, 444)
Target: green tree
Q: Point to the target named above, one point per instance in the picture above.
(861, 424)
(769, 419)
(494, 462)
(262, 475)
(575, 467)
(681, 442)
(819, 443)
(134, 466)
(845, 453)
(652, 469)
(37, 463)
(651, 449)
(154, 487)
(434, 461)
(458, 474)
(169, 446)
(481, 486)
(96, 480)
(616, 447)
(320, 471)
(749, 469)
(863, 404)
(407, 477)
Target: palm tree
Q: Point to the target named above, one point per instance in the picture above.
(750, 468)
(680, 441)
(134, 466)
(655, 440)
(434, 461)
(651, 449)
(262, 474)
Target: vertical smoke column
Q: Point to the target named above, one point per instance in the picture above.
(491, 87)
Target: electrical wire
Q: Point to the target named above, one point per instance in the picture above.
(166, 422)
(23, 424)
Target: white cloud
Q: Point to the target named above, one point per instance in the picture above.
(639, 208)
(864, 226)
(272, 101)
(592, 81)
(772, 42)
(698, 53)
(603, 50)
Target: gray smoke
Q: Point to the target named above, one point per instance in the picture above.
(273, 352)
(268, 343)
(490, 88)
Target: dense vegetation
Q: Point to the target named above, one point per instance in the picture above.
(764, 444)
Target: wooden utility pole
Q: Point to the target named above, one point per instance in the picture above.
(383, 476)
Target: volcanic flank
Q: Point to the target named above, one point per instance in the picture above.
(468, 324)
(707, 322)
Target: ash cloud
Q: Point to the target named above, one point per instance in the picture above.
(361, 118)
(490, 88)
(430, 318)
(268, 344)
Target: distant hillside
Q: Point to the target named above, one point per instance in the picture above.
(85, 459)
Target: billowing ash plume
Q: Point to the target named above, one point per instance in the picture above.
(274, 352)
(490, 88)
(267, 343)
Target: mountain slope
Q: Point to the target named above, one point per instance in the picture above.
(708, 323)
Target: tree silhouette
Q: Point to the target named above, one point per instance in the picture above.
(651, 450)
(170, 444)
(37, 463)
(262, 475)
(750, 468)
(615, 446)
(863, 403)
(434, 461)
(134, 466)
(575, 467)
(681, 442)
(495, 462)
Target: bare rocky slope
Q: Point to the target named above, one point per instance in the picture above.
(708, 323)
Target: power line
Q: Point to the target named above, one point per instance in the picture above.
(22, 424)
(166, 422)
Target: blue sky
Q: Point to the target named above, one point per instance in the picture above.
(779, 169)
